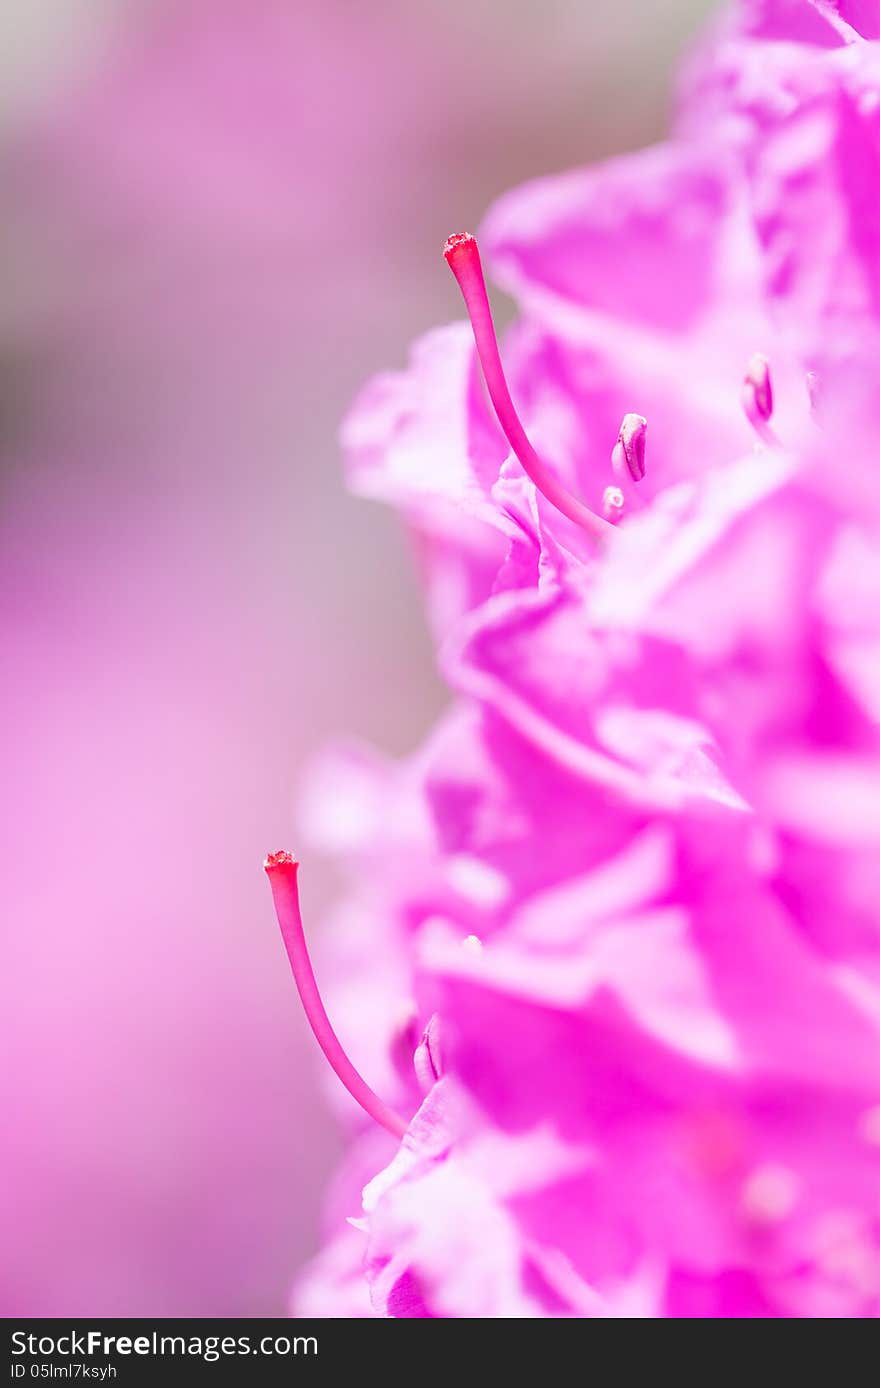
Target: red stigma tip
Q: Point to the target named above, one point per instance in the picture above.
(279, 860)
(456, 242)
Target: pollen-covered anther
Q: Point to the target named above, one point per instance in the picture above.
(613, 504)
(628, 453)
(757, 395)
(427, 1061)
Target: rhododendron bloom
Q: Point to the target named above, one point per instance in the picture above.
(613, 954)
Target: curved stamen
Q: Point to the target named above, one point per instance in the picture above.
(281, 869)
(757, 397)
(628, 454)
(463, 257)
(426, 1060)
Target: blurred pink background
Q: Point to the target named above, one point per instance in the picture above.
(216, 220)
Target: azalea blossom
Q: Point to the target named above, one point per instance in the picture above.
(612, 958)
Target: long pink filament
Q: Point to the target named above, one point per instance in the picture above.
(281, 869)
(463, 257)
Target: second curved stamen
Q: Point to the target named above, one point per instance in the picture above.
(463, 258)
(281, 869)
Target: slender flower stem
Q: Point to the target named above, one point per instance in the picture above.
(281, 869)
(463, 257)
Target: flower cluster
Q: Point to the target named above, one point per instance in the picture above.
(615, 938)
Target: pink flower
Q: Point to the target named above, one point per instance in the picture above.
(631, 882)
(803, 118)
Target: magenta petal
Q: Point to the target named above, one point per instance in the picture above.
(632, 877)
